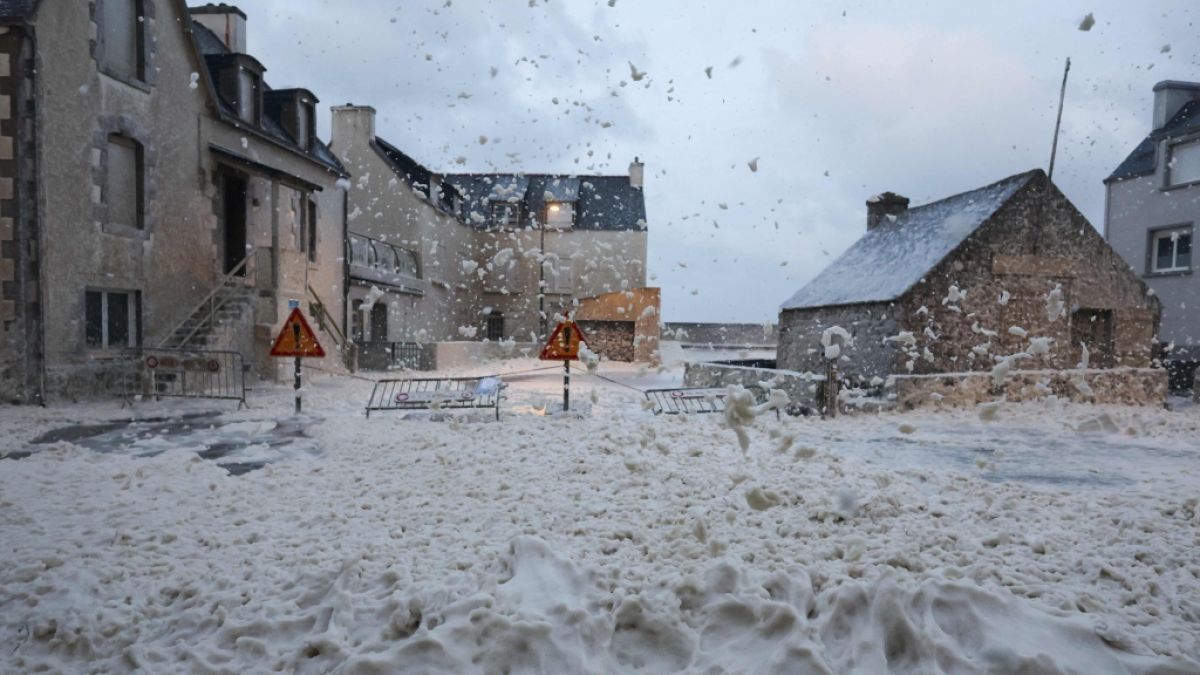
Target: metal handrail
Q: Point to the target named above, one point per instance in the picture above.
(338, 335)
(211, 301)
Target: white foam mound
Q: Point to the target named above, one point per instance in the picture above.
(540, 614)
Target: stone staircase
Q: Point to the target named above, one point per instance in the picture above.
(210, 324)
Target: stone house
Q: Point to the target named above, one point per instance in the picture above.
(959, 284)
(1150, 216)
(142, 157)
(439, 258)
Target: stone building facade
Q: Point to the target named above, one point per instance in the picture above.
(469, 257)
(959, 285)
(1150, 217)
(124, 146)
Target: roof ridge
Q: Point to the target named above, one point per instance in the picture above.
(1024, 175)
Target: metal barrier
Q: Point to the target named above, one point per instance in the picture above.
(408, 355)
(188, 373)
(437, 393)
(693, 400)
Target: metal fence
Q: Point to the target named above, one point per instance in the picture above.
(692, 400)
(437, 393)
(409, 355)
(187, 373)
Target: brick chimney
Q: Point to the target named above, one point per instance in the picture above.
(353, 126)
(637, 173)
(1169, 97)
(881, 206)
(226, 21)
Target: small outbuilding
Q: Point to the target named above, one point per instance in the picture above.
(1010, 273)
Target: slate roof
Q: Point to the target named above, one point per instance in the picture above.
(19, 10)
(601, 202)
(1142, 160)
(890, 259)
(211, 45)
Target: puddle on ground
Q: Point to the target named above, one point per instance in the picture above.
(237, 446)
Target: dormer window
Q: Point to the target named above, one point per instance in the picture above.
(239, 80)
(1183, 163)
(295, 111)
(306, 125)
(249, 98)
(560, 215)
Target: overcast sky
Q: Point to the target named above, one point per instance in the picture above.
(836, 100)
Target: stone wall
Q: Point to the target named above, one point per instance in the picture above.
(611, 339)
(1031, 245)
(801, 388)
(20, 306)
(867, 357)
(1121, 386)
(723, 334)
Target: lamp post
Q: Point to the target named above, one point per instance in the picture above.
(542, 283)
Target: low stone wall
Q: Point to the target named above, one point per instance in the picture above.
(723, 334)
(801, 388)
(1121, 386)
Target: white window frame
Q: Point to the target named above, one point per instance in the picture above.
(131, 298)
(1173, 233)
(1192, 145)
(561, 280)
(559, 222)
(511, 212)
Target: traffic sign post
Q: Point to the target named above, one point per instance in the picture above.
(563, 345)
(297, 340)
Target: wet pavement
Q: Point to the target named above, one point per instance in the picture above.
(237, 446)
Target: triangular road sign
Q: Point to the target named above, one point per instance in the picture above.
(296, 338)
(564, 342)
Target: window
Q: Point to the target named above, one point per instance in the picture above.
(306, 125)
(359, 246)
(506, 214)
(249, 95)
(495, 327)
(448, 197)
(372, 255)
(123, 27)
(112, 319)
(1171, 250)
(560, 276)
(406, 262)
(560, 214)
(124, 182)
(1184, 164)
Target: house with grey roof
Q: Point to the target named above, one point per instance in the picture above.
(154, 192)
(1150, 217)
(960, 284)
(454, 257)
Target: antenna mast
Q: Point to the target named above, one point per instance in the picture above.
(1062, 95)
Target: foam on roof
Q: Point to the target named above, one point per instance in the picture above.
(889, 259)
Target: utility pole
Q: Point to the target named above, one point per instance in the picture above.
(1062, 95)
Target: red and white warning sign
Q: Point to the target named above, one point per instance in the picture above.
(297, 338)
(564, 342)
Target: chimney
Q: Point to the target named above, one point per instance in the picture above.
(881, 206)
(1169, 97)
(637, 173)
(226, 21)
(353, 125)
